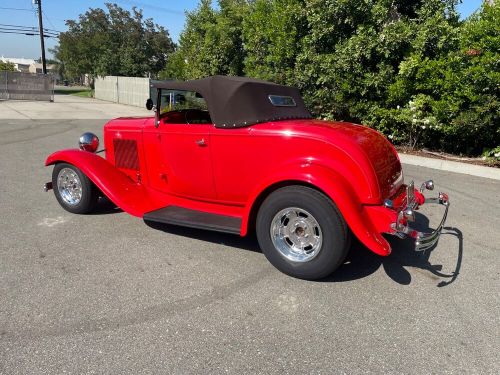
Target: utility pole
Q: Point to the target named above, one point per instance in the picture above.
(42, 42)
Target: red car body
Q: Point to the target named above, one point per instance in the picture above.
(154, 162)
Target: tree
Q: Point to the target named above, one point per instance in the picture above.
(353, 50)
(7, 66)
(211, 42)
(192, 60)
(115, 42)
(460, 89)
(272, 34)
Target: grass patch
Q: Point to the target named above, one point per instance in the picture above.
(83, 93)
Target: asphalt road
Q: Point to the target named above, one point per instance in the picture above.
(107, 293)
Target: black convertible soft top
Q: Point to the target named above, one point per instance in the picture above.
(235, 102)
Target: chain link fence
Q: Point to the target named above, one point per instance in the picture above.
(26, 86)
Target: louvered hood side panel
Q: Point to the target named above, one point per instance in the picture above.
(126, 153)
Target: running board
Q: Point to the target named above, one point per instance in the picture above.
(195, 219)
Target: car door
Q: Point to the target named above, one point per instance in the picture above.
(185, 152)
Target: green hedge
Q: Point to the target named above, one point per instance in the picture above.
(410, 69)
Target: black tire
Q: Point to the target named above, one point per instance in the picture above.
(89, 192)
(314, 205)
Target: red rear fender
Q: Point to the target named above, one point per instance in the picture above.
(119, 188)
(336, 187)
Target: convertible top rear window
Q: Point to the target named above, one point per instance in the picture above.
(282, 101)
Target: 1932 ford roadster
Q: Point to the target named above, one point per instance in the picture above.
(236, 155)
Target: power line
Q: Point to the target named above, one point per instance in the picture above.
(21, 9)
(28, 27)
(18, 27)
(26, 30)
(153, 7)
(9, 25)
(27, 33)
(47, 18)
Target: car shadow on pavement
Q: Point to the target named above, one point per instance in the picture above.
(105, 207)
(245, 243)
(360, 261)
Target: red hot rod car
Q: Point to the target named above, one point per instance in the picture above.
(236, 155)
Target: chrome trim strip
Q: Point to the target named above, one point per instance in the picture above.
(410, 196)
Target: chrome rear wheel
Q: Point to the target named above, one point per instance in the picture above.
(302, 232)
(296, 234)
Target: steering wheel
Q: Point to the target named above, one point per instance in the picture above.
(198, 114)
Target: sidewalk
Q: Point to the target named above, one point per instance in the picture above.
(67, 107)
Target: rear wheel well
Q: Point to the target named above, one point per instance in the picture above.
(252, 218)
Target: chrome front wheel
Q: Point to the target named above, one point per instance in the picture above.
(73, 190)
(69, 186)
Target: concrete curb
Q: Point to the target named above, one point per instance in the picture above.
(451, 166)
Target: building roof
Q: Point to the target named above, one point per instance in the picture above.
(49, 66)
(15, 60)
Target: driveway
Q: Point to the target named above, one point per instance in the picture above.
(108, 293)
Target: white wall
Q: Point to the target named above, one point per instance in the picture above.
(106, 88)
(125, 90)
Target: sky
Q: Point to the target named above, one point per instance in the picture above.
(168, 13)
